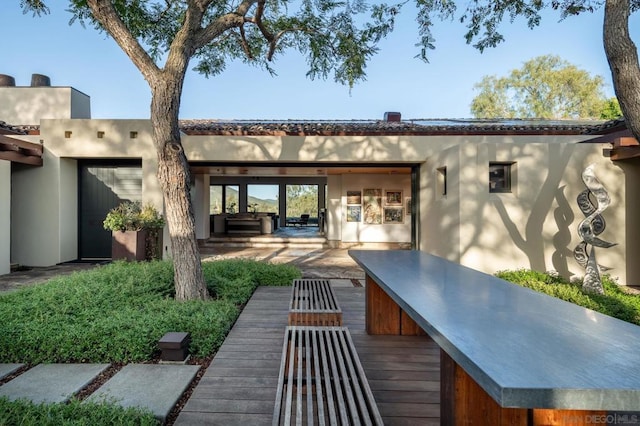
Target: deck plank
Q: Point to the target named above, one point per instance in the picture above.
(239, 387)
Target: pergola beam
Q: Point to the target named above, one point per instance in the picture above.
(19, 151)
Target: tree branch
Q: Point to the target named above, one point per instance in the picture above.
(245, 43)
(222, 24)
(104, 12)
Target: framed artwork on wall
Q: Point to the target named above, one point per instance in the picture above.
(393, 197)
(354, 197)
(408, 206)
(354, 213)
(394, 215)
(372, 206)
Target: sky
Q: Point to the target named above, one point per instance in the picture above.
(92, 63)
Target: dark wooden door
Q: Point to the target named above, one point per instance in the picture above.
(102, 187)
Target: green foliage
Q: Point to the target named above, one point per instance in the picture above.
(615, 302)
(611, 109)
(545, 87)
(338, 38)
(236, 279)
(75, 413)
(483, 18)
(302, 199)
(118, 312)
(133, 216)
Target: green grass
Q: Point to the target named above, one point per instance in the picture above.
(615, 302)
(118, 312)
(75, 413)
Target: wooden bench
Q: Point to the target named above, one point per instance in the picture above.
(321, 380)
(509, 355)
(313, 302)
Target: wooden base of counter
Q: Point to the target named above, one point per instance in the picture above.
(462, 400)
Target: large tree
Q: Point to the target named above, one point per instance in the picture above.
(161, 37)
(544, 87)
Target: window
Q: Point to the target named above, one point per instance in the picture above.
(441, 181)
(263, 198)
(500, 177)
(215, 199)
(302, 199)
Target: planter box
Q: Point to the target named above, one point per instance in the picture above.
(128, 245)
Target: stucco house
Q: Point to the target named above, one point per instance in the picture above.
(491, 195)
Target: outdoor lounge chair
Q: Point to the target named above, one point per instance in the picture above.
(303, 220)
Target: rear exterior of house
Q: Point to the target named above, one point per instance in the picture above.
(489, 195)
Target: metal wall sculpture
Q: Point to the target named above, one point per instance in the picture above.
(589, 229)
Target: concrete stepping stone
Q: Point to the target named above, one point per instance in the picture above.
(6, 369)
(51, 383)
(156, 387)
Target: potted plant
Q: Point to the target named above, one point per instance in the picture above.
(135, 231)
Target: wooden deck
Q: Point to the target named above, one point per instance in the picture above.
(239, 387)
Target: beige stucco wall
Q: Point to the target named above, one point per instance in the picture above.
(28, 105)
(532, 227)
(36, 213)
(631, 223)
(440, 214)
(5, 217)
(45, 208)
(535, 226)
(334, 209)
(275, 149)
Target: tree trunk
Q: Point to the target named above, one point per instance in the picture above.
(623, 61)
(174, 178)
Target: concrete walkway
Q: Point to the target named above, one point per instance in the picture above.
(156, 387)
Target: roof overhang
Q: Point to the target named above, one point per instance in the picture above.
(19, 151)
(623, 145)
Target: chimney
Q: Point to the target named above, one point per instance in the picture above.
(392, 116)
(7, 81)
(39, 80)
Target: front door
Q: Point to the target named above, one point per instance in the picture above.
(103, 187)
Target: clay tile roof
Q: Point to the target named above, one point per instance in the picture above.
(18, 130)
(379, 127)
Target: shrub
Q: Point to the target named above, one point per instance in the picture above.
(615, 302)
(132, 216)
(236, 279)
(118, 312)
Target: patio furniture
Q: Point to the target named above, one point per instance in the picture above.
(248, 223)
(314, 303)
(508, 354)
(302, 220)
(321, 379)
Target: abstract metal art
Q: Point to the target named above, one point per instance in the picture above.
(589, 229)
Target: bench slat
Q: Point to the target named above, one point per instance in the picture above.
(313, 302)
(325, 382)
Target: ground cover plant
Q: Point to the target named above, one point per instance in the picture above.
(75, 413)
(616, 302)
(117, 313)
